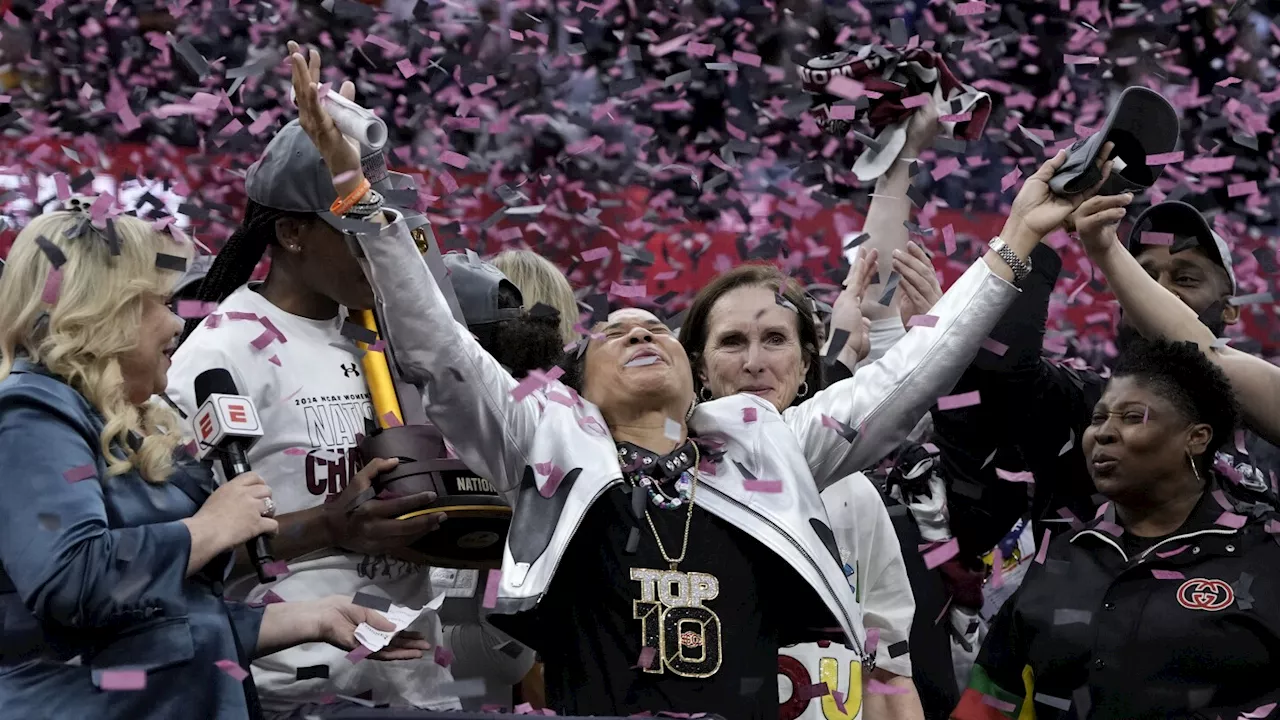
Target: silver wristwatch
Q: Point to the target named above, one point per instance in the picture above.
(1021, 268)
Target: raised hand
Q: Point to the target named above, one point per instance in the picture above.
(340, 153)
(1037, 210)
(918, 291)
(846, 314)
(1097, 219)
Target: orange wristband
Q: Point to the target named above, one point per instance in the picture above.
(343, 205)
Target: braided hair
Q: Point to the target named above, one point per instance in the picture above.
(236, 261)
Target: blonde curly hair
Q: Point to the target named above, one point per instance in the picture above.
(94, 321)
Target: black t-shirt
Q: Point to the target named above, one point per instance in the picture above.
(591, 630)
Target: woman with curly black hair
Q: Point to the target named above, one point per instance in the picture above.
(1162, 605)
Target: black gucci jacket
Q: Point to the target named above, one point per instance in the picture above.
(1187, 628)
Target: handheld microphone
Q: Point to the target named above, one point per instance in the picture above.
(228, 424)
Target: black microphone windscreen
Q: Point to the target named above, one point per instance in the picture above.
(214, 380)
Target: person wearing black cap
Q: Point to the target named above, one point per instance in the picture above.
(1033, 411)
(283, 342)
(1150, 307)
(493, 306)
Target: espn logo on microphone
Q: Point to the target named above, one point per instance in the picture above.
(222, 417)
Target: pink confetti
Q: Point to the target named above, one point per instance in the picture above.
(941, 554)
(275, 360)
(995, 347)
(279, 568)
(457, 160)
(1167, 575)
(491, 586)
(116, 680)
(962, 400)
(1018, 477)
(391, 419)
(628, 291)
(443, 656)
(1044, 547)
(295, 451)
(970, 8)
(944, 167)
(82, 472)
(872, 642)
(875, 687)
(1165, 158)
(406, 68)
(1242, 188)
(233, 669)
(922, 321)
(1171, 553)
(916, 101)
(1231, 520)
(746, 58)
(52, 287)
(763, 486)
(647, 654)
(554, 477)
(188, 309)
(360, 653)
(1157, 238)
(748, 415)
(262, 341)
(1010, 180)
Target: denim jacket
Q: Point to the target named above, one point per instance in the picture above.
(94, 573)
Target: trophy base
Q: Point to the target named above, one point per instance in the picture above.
(472, 536)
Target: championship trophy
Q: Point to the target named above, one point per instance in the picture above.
(478, 516)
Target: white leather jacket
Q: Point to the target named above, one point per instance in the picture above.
(516, 444)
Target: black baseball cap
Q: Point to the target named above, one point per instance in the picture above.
(1189, 229)
(1141, 124)
(291, 176)
(476, 283)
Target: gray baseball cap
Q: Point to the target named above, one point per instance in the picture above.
(197, 269)
(291, 176)
(476, 284)
(1189, 229)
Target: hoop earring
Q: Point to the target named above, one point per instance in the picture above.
(1194, 469)
(705, 394)
(803, 389)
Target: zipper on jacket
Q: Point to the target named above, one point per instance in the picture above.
(862, 653)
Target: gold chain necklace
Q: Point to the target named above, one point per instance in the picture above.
(688, 518)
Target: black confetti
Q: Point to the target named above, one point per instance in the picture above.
(314, 672)
(373, 602)
(164, 261)
(358, 333)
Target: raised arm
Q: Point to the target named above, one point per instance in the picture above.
(1155, 311)
(886, 399)
(891, 208)
(467, 393)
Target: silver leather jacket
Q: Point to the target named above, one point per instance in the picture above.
(518, 444)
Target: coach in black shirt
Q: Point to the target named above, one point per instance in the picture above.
(1164, 606)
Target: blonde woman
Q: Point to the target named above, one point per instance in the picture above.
(113, 543)
(542, 282)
